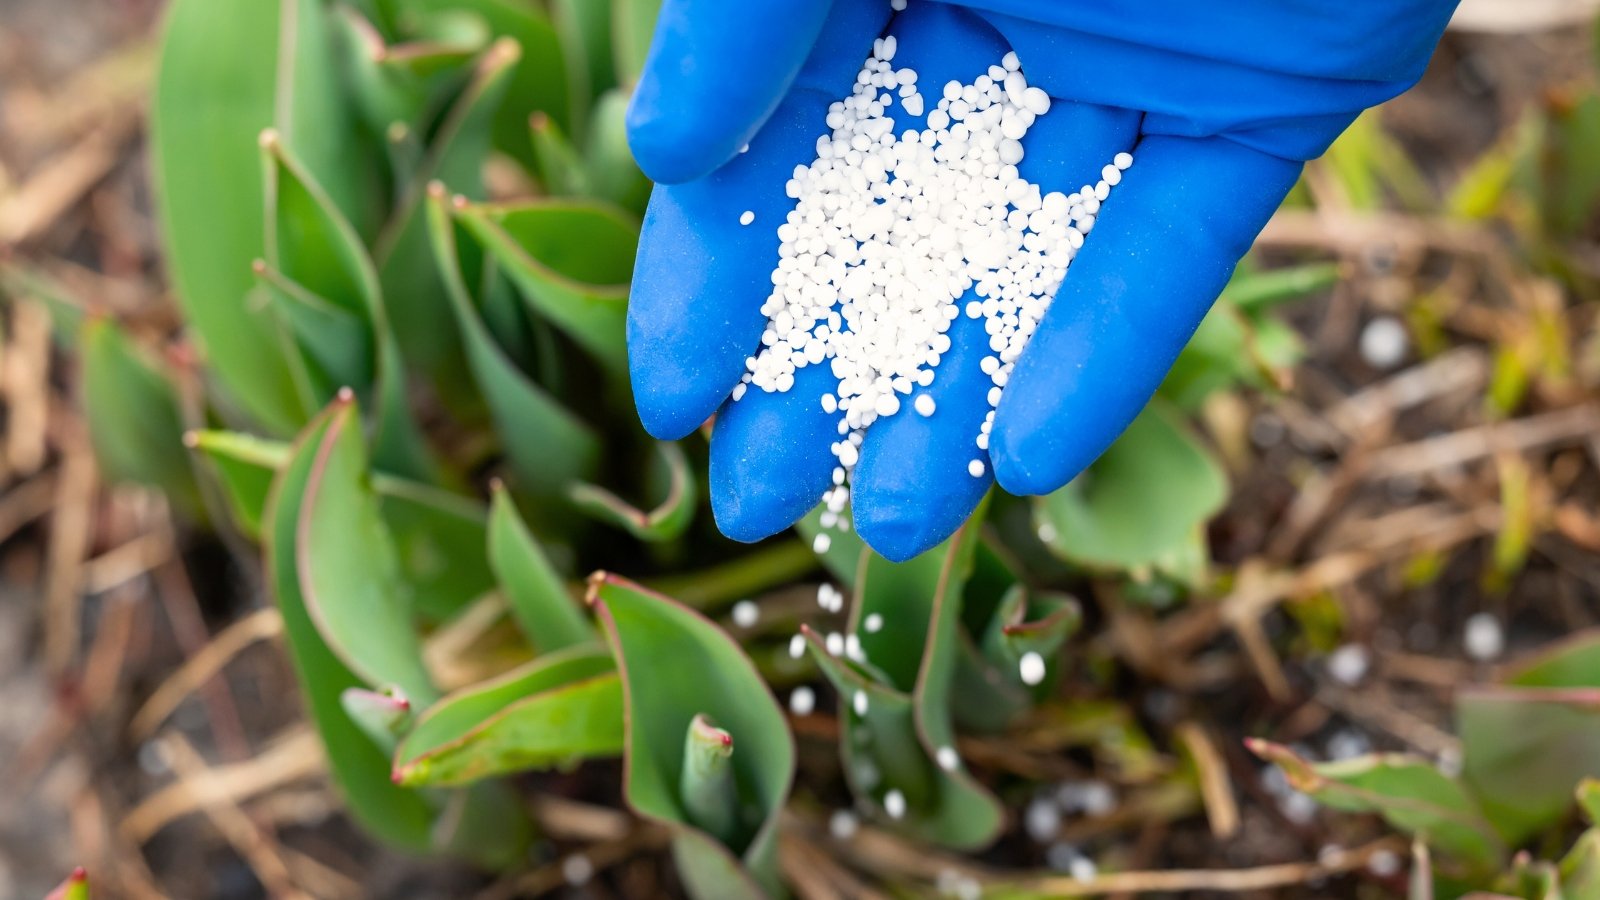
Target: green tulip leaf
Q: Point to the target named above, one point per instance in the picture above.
(349, 573)
(905, 741)
(1139, 505)
(1588, 796)
(410, 274)
(879, 748)
(844, 549)
(309, 240)
(1030, 623)
(558, 160)
(358, 767)
(571, 262)
(538, 81)
(439, 535)
(439, 538)
(1579, 871)
(668, 519)
(909, 597)
(244, 466)
(1525, 749)
(710, 796)
(559, 708)
(1409, 793)
(485, 824)
(585, 29)
(1213, 360)
(337, 342)
(633, 26)
(548, 446)
(1255, 290)
(135, 422)
(610, 171)
(214, 93)
(399, 82)
(1573, 662)
(987, 693)
(317, 113)
(651, 638)
(1580, 868)
(446, 49)
(313, 245)
(548, 615)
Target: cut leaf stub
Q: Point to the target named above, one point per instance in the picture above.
(710, 795)
(384, 715)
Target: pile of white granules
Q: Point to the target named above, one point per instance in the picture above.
(890, 231)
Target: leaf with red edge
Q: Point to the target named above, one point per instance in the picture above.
(663, 522)
(556, 709)
(357, 767)
(905, 740)
(1408, 792)
(676, 664)
(348, 571)
(76, 887)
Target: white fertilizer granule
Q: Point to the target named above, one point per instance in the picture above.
(890, 231)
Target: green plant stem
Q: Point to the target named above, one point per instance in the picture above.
(721, 585)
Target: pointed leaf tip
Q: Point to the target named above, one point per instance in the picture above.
(534, 590)
(74, 887)
(598, 579)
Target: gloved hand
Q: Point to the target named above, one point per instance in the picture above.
(1220, 103)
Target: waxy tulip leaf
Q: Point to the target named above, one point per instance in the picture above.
(548, 446)
(677, 665)
(349, 574)
(1410, 793)
(667, 519)
(1141, 503)
(135, 423)
(439, 535)
(411, 276)
(548, 614)
(905, 740)
(384, 715)
(214, 93)
(358, 767)
(559, 708)
(315, 247)
(571, 261)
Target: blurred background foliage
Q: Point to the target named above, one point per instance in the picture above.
(315, 435)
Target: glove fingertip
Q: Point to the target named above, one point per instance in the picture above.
(1027, 462)
(667, 416)
(900, 527)
(676, 145)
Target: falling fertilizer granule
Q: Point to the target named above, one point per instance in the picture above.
(889, 232)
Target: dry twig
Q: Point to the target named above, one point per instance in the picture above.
(201, 667)
(289, 758)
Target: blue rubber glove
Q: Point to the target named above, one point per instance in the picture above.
(1219, 102)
